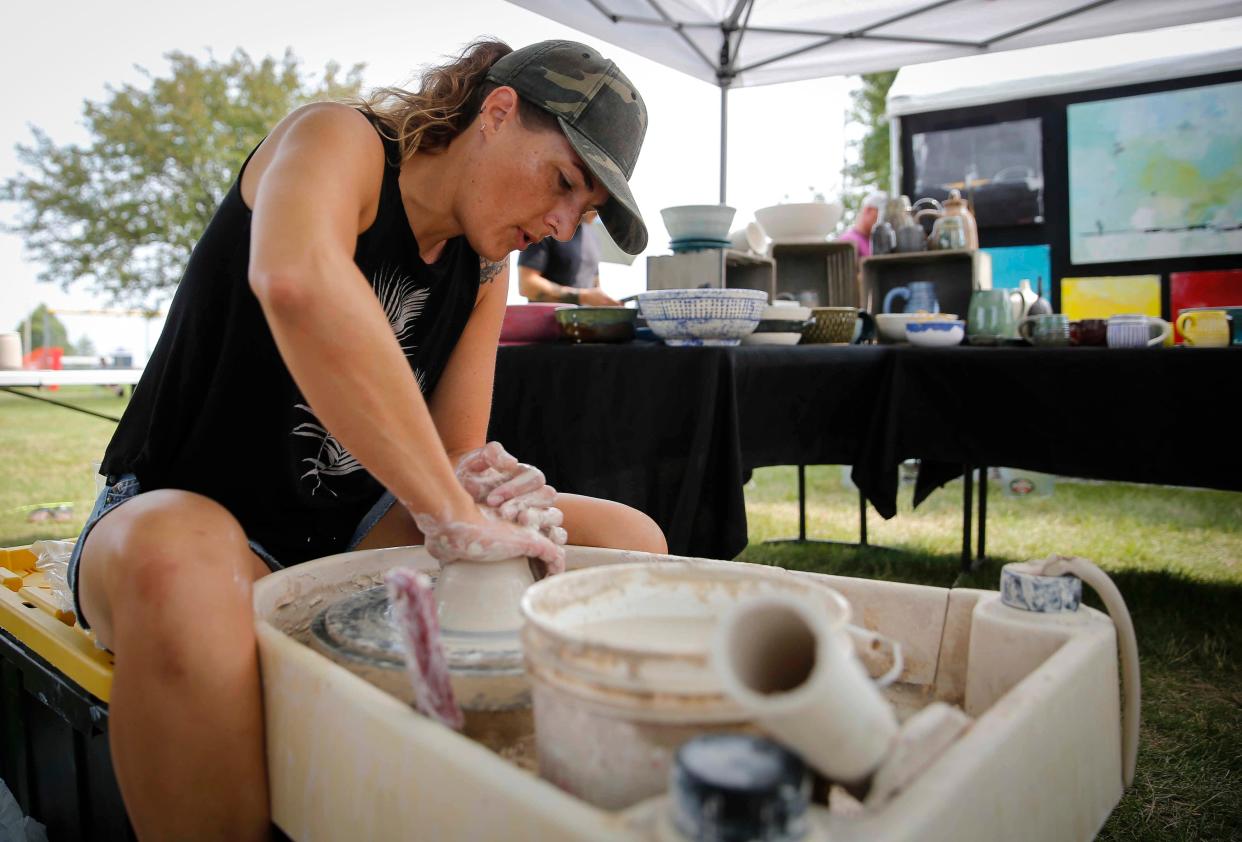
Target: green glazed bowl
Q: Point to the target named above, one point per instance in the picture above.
(597, 324)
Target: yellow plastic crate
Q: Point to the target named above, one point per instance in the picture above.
(28, 612)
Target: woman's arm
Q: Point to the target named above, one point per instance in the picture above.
(461, 405)
(315, 188)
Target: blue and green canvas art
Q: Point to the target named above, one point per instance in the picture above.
(1157, 175)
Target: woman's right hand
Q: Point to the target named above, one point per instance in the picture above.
(483, 536)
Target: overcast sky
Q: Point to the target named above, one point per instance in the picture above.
(53, 56)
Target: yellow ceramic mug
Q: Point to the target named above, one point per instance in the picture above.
(1204, 328)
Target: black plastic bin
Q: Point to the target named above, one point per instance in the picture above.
(54, 750)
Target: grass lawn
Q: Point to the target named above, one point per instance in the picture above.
(1176, 554)
(48, 454)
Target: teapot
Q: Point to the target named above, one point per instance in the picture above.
(954, 225)
(909, 234)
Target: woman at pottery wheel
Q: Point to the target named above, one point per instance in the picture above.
(331, 350)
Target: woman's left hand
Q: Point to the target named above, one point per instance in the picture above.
(516, 492)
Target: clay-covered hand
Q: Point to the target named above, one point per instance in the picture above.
(518, 492)
(486, 538)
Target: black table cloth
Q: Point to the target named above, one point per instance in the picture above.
(675, 432)
(1144, 415)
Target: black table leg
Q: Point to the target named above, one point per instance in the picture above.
(802, 502)
(862, 518)
(982, 552)
(968, 486)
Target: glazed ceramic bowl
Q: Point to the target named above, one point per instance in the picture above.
(702, 316)
(892, 326)
(535, 322)
(698, 222)
(799, 221)
(597, 324)
(936, 333)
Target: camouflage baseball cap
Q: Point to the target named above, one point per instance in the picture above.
(600, 112)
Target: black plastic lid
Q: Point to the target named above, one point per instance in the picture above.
(737, 788)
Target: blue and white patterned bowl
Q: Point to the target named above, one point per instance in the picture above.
(702, 316)
(936, 333)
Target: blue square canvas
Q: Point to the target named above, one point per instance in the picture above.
(1013, 263)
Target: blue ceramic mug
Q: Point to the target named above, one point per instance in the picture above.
(920, 295)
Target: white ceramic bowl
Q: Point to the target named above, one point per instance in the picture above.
(702, 316)
(772, 339)
(936, 333)
(892, 326)
(786, 310)
(698, 222)
(799, 221)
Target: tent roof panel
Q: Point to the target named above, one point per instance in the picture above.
(1066, 68)
(855, 36)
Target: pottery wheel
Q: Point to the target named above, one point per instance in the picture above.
(360, 627)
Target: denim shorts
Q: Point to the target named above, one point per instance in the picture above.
(125, 487)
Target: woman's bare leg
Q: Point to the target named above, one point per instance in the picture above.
(165, 581)
(590, 522)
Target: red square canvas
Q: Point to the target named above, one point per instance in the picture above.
(1221, 288)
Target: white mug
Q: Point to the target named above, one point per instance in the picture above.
(1131, 330)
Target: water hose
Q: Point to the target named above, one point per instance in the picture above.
(1127, 643)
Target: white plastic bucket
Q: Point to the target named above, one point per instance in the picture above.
(620, 670)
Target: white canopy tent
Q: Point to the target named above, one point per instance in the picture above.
(738, 43)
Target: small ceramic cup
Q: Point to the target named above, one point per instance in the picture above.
(1048, 329)
(1132, 330)
(1205, 328)
(1089, 332)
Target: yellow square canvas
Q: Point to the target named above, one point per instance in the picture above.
(1099, 298)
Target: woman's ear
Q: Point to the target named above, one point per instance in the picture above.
(499, 107)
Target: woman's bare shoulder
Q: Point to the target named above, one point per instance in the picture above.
(328, 129)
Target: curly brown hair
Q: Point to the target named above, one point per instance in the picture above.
(448, 97)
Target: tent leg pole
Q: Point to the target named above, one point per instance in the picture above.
(724, 139)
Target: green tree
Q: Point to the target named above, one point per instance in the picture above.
(871, 168)
(57, 336)
(122, 212)
(85, 347)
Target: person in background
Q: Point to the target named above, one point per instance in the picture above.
(868, 215)
(568, 272)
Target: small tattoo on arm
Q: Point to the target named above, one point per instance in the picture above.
(488, 270)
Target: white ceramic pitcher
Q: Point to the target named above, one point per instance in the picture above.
(781, 659)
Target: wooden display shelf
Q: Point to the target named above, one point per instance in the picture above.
(956, 273)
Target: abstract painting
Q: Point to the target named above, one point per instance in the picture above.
(1099, 298)
(1157, 175)
(998, 167)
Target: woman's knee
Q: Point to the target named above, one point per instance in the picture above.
(592, 522)
(155, 546)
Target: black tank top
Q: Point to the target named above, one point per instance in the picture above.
(217, 412)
